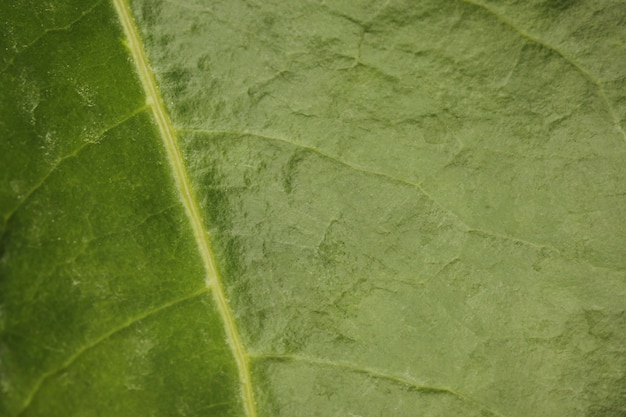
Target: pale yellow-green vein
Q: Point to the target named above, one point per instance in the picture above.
(102, 338)
(375, 373)
(188, 200)
(60, 161)
(582, 70)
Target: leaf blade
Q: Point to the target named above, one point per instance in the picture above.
(412, 192)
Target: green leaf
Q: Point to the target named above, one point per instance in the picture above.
(305, 208)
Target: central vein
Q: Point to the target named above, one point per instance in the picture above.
(191, 206)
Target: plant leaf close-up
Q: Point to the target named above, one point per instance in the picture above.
(267, 208)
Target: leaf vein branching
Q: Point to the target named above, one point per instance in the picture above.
(402, 380)
(334, 159)
(59, 163)
(467, 228)
(354, 167)
(102, 338)
(170, 141)
(48, 31)
(533, 39)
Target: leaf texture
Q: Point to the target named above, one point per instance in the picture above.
(304, 208)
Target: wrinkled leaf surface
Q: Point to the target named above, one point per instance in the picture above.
(412, 208)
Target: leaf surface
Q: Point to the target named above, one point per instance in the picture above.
(353, 208)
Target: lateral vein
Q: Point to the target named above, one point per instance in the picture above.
(168, 134)
(403, 380)
(598, 84)
(99, 340)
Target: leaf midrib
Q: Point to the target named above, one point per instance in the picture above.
(192, 209)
